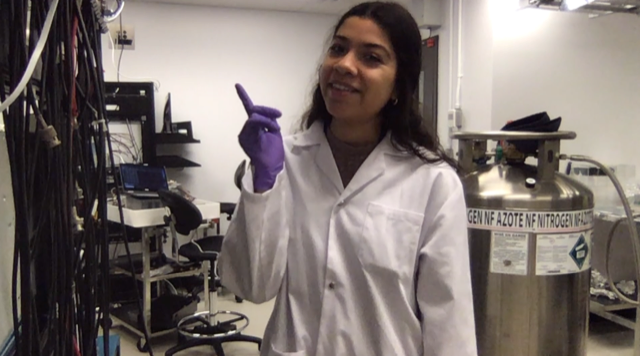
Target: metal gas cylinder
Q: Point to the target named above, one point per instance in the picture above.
(530, 247)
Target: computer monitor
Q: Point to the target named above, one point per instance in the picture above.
(167, 126)
(137, 177)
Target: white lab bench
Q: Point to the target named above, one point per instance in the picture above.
(149, 220)
(142, 218)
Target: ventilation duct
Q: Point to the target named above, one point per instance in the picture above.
(591, 7)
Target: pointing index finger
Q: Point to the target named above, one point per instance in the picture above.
(270, 113)
(244, 97)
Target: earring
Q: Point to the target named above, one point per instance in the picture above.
(395, 101)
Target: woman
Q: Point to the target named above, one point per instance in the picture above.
(357, 224)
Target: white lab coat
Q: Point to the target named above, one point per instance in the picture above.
(378, 268)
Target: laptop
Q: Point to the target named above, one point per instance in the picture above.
(143, 182)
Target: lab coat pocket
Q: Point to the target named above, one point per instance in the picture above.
(390, 240)
(276, 352)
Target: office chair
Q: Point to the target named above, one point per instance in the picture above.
(230, 208)
(203, 328)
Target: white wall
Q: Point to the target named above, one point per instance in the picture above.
(445, 103)
(199, 53)
(200, 73)
(477, 65)
(514, 64)
(585, 70)
(518, 63)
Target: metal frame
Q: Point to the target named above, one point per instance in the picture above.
(607, 312)
(147, 280)
(212, 311)
(134, 102)
(430, 50)
(471, 142)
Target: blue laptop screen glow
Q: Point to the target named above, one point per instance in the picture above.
(143, 178)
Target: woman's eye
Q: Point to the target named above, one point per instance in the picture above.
(373, 58)
(337, 49)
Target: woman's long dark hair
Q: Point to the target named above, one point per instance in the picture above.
(409, 131)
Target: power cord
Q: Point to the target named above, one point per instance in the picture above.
(35, 57)
(58, 174)
(121, 49)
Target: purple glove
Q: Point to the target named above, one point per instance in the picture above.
(261, 140)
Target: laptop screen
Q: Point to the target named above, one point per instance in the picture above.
(143, 178)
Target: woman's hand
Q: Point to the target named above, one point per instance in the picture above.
(261, 140)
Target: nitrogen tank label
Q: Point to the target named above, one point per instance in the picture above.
(563, 253)
(529, 221)
(509, 253)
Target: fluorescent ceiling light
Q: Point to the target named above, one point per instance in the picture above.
(570, 5)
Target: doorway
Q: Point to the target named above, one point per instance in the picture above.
(428, 87)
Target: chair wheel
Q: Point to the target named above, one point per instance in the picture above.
(142, 345)
(238, 299)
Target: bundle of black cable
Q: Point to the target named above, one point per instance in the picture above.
(57, 146)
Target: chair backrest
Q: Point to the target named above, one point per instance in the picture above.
(240, 171)
(187, 215)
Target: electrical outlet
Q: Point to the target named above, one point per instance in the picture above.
(123, 37)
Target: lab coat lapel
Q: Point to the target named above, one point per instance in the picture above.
(321, 153)
(372, 168)
(327, 164)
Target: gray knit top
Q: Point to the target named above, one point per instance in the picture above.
(348, 157)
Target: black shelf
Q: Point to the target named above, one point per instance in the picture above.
(175, 162)
(133, 101)
(174, 138)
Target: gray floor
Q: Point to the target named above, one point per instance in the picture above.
(259, 315)
(605, 338)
